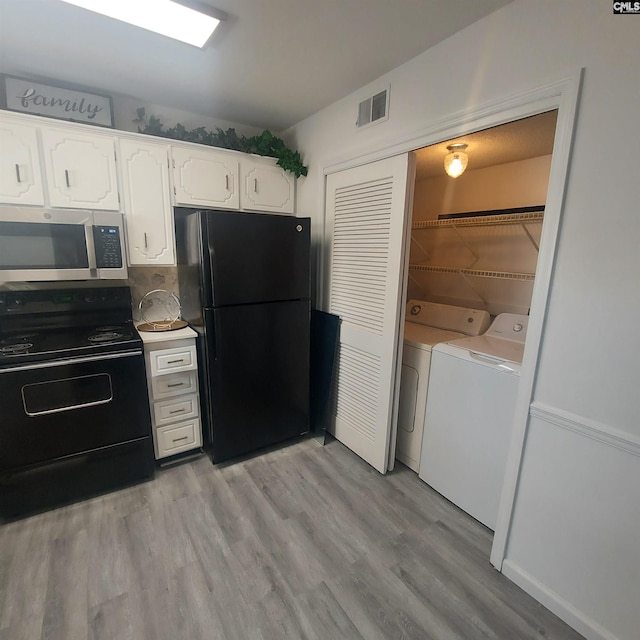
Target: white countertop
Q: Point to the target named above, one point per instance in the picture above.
(164, 336)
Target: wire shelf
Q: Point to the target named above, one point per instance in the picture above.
(477, 273)
(481, 221)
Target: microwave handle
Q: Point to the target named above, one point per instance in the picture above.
(91, 248)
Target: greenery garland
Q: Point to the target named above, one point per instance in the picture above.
(266, 144)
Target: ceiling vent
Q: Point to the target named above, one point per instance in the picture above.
(374, 109)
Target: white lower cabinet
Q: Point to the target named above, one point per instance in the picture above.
(176, 438)
(181, 408)
(172, 376)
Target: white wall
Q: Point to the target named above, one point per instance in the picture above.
(587, 380)
(124, 114)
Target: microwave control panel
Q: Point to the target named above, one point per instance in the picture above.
(108, 247)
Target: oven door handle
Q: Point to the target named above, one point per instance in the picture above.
(69, 361)
(70, 407)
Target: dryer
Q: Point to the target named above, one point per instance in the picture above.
(473, 386)
(427, 324)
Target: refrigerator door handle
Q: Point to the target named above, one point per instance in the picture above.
(211, 333)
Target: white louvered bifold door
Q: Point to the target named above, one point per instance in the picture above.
(366, 229)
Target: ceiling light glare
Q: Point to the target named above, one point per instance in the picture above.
(161, 16)
(456, 161)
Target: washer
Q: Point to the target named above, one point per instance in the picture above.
(473, 386)
(427, 324)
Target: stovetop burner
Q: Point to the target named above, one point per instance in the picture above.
(18, 347)
(105, 336)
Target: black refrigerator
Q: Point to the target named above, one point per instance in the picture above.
(244, 283)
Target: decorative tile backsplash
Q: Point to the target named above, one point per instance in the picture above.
(145, 279)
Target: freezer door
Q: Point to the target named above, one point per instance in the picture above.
(258, 377)
(257, 257)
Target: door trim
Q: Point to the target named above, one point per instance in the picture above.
(563, 95)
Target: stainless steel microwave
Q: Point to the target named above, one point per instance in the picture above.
(60, 244)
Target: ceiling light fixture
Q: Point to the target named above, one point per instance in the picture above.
(165, 17)
(455, 162)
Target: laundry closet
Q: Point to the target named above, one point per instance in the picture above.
(472, 260)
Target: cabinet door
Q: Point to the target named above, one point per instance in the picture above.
(177, 438)
(175, 409)
(81, 170)
(266, 187)
(144, 169)
(204, 178)
(174, 384)
(166, 361)
(20, 177)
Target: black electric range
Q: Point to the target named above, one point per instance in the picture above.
(73, 397)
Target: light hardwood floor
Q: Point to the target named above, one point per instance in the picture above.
(301, 542)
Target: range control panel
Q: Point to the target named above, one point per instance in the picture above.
(509, 326)
(108, 247)
(471, 322)
(49, 301)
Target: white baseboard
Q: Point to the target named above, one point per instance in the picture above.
(589, 628)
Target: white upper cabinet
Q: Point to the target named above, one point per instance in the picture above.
(144, 172)
(74, 166)
(266, 186)
(80, 170)
(205, 178)
(20, 177)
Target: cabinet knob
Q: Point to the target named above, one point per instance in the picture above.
(66, 178)
(18, 173)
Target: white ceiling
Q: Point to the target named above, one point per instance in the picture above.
(272, 64)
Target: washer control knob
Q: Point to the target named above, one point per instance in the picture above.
(517, 327)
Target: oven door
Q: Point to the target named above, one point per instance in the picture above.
(64, 408)
(46, 245)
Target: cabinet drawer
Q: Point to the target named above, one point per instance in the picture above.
(178, 437)
(174, 384)
(179, 408)
(173, 360)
